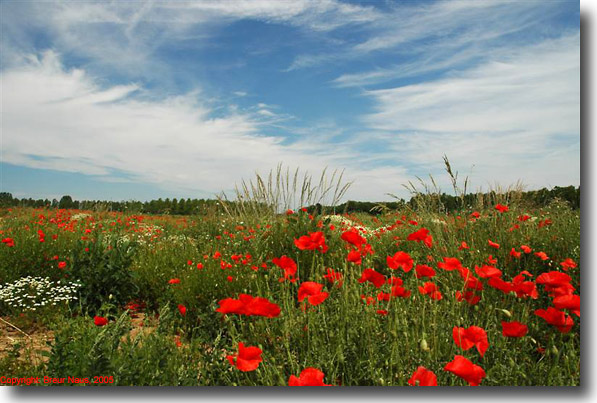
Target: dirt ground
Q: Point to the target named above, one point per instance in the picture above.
(33, 342)
(30, 344)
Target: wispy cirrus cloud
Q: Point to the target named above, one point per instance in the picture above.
(432, 37)
(126, 36)
(517, 117)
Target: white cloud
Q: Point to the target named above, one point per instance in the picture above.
(63, 120)
(265, 112)
(514, 118)
(125, 35)
(432, 34)
(436, 58)
(464, 20)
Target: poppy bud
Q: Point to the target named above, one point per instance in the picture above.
(424, 345)
(507, 313)
(554, 350)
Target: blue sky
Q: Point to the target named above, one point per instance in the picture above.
(140, 100)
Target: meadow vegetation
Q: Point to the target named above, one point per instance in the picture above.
(265, 293)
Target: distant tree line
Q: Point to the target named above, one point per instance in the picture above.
(444, 202)
(448, 203)
(159, 206)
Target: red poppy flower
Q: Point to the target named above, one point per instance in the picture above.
(449, 264)
(402, 260)
(182, 309)
(352, 237)
(174, 281)
(514, 329)
(499, 284)
(501, 208)
(366, 249)
(383, 296)
(568, 264)
(395, 281)
(333, 276)
(260, 307)
(247, 359)
(422, 270)
(542, 255)
(469, 296)
(469, 337)
(526, 249)
(312, 291)
(463, 245)
(61, 265)
(374, 277)
(487, 271)
(544, 223)
(556, 283)
(493, 244)
(354, 257)
(421, 235)
(471, 282)
(382, 312)
(248, 305)
(568, 301)
(466, 370)
(288, 265)
(553, 279)
(368, 299)
(8, 242)
(475, 214)
(308, 377)
(431, 290)
(515, 254)
(313, 241)
(100, 321)
(524, 288)
(556, 318)
(423, 377)
(523, 217)
(399, 291)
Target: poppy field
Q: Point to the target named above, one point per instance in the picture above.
(487, 296)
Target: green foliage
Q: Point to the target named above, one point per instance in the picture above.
(102, 266)
(134, 257)
(84, 350)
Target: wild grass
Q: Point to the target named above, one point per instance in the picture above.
(283, 189)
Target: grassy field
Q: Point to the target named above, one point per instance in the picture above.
(488, 296)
